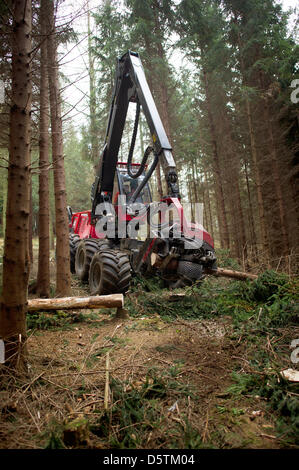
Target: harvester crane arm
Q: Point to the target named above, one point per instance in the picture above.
(177, 250)
(131, 86)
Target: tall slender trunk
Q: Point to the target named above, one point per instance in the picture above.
(52, 231)
(251, 218)
(4, 207)
(43, 273)
(63, 276)
(205, 212)
(204, 189)
(194, 183)
(234, 196)
(220, 204)
(194, 187)
(141, 136)
(16, 262)
(92, 99)
(254, 157)
(162, 95)
(190, 198)
(30, 234)
(207, 202)
(277, 180)
(258, 182)
(159, 181)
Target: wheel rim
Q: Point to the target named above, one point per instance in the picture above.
(81, 258)
(96, 275)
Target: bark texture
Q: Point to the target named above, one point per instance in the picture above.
(63, 275)
(241, 276)
(220, 203)
(43, 274)
(16, 263)
(65, 303)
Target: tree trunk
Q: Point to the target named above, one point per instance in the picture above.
(94, 140)
(195, 193)
(159, 182)
(221, 210)
(141, 136)
(251, 218)
(52, 218)
(190, 198)
(206, 223)
(63, 276)
(65, 303)
(277, 180)
(43, 274)
(232, 274)
(232, 169)
(258, 181)
(160, 89)
(207, 202)
(254, 156)
(30, 237)
(16, 263)
(4, 207)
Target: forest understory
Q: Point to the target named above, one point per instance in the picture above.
(201, 370)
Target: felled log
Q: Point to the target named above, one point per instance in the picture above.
(64, 303)
(158, 262)
(232, 274)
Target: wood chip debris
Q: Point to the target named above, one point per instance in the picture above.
(290, 374)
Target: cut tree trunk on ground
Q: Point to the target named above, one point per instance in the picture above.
(64, 303)
(157, 262)
(232, 274)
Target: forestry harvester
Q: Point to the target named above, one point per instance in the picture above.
(106, 247)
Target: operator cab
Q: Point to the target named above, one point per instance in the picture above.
(125, 185)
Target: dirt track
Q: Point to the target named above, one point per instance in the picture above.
(68, 380)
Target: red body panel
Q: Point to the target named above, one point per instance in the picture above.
(81, 223)
(189, 229)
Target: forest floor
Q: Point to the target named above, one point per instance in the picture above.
(200, 371)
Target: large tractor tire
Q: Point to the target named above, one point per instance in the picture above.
(84, 254)
(110, 273)
(74, 241)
